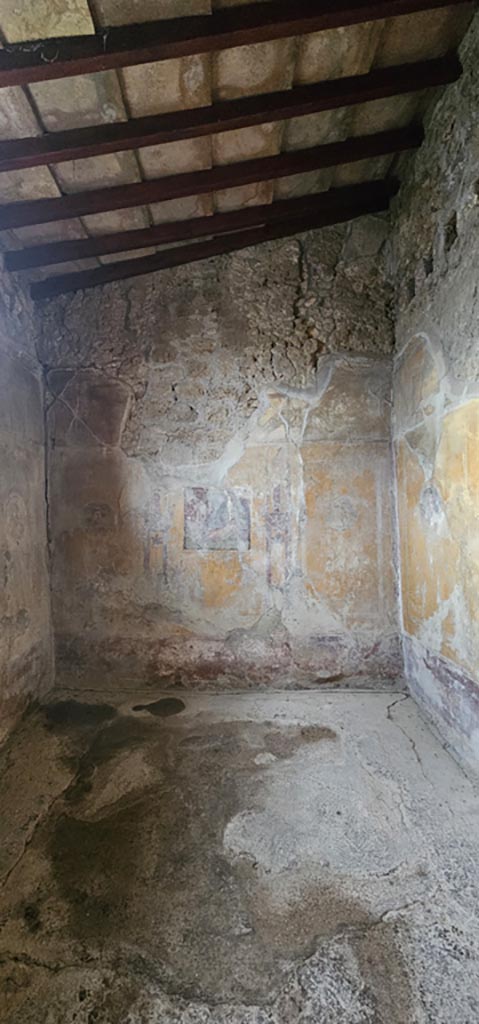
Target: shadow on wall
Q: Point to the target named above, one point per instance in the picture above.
(25, 630)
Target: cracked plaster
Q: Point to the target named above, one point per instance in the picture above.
(436, 410)
(238, 373)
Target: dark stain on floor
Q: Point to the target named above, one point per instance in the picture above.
(73, 713)
(146, 882)
(31, 917)
(163, 708)
(152, 868)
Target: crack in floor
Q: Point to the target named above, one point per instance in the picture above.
(406, 734)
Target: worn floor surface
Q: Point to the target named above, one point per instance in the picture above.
(252, 860)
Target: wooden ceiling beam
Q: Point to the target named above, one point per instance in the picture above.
(77, 143)
(220, 223)
(79, 204)
(63, 283)
(126, 45)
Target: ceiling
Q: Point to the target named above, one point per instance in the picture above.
(193, 81)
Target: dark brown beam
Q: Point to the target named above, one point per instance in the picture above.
(198, 227)
(122, 269)
(39, 60)
(39, 211)
(228, 115)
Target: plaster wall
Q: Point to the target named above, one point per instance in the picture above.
(436, 410)
(220, 471)
(25, 630)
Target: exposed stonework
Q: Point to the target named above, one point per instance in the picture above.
(435, 259)
(25, 632)
(255, 386)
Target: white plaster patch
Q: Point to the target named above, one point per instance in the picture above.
(304, 821)
(265, 759)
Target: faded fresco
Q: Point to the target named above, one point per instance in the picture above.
(221, 477)
(216, 520)
(437, 458)
(436, 411)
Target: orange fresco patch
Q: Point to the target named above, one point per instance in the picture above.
(364, 486)
(441, 562)
(343, 552)
(221, 574)
(428, 561)
(457, 463)
(416, 380)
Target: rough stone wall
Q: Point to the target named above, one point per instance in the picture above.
(220, 474)
(25, 629)
(436, 409)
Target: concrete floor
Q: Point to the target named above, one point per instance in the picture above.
(252, 860)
